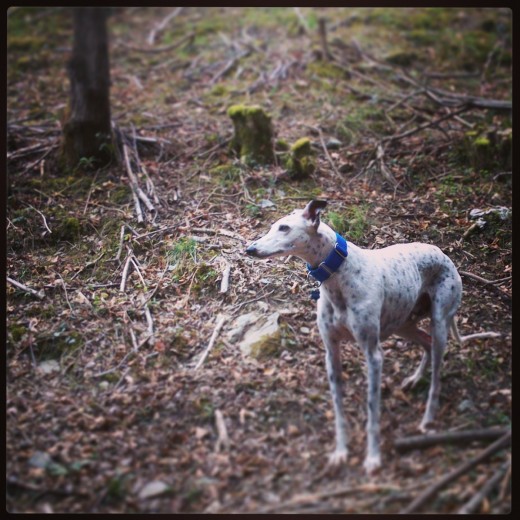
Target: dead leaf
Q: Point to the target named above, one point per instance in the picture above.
(154, 488)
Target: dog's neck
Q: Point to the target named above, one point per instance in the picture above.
(320, 245)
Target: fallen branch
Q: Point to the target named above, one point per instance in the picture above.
(134, 182)
(149, 183)
(472, 505)
(224, 284)
(121, 239)
(149, 321)
(42, 216)
(419, 128)
(334, 493)
(481, 335)
(324, 146)
(152, 294)
(223, 438)
(125, 273)
(162, 24)
(133, 259)
(483, 280)
(304, 25)
(429, 493)
(66, 293)
(506, 298)
(216, 331)
(229, 65)
(24, 484)
(425, 441)
(385, 172)
(451, 99)
(28, 150)
(155, 50)
(39, 294)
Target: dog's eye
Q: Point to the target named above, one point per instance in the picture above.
(283, 227)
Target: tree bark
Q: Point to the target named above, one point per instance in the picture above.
(87, 132)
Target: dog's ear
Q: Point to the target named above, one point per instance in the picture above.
(312, 211)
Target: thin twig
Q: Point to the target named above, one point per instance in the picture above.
(152, 294)
(224, 284)
(66, 294)
(429, 493)
(506, 298)
(134, 182)
(333, 493)
(125, 273)
(149, 321)
(156, 50)
(134, 261)
(223, 437)
(216, 331)
(134, 339)
(39, 294)
(483, 280)
(133, 185)
(324, 146)
(303, 22)
(240, 305)
(162, 24)
(481, 335)
(419, 128)
(121, 238)
(42, 216)
(385, 172)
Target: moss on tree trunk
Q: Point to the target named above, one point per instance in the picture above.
(253, 139)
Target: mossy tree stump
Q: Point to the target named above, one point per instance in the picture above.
(253, 139)
(301, 161)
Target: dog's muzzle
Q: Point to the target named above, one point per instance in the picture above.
(251, 250)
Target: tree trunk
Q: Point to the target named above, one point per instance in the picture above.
(87, 132)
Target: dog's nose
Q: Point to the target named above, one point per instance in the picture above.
(251, 250)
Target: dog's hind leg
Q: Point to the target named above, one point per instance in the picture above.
(440, 323)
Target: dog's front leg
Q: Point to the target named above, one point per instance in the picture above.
(333, 363)
(374, 356)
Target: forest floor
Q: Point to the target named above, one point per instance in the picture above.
(105, 411)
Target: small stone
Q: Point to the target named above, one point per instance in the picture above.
(466, 405)
(40, 459)
(264, 339)
(241, 324)
(305, 330)
(333, 144)
(264, 203)
(49, 366)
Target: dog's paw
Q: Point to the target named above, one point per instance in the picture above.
(427, 426)
(372, 464)
(337, 458)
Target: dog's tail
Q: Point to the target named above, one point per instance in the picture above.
(479, 335)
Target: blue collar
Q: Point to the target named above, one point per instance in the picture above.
(332, 263)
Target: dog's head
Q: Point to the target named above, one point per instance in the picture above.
(291, 234)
